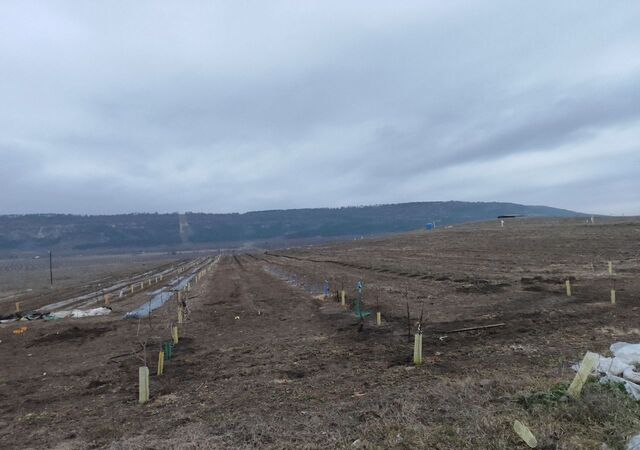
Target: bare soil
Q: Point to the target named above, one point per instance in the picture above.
(264, 361)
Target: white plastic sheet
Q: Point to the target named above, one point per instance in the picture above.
(79, 313)
(634, 443)
(621, 368)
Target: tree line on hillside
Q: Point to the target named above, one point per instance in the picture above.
(45, 231)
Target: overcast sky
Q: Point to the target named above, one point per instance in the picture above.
(110, 107)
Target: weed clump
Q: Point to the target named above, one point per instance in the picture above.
(546, 398)
(605, 412)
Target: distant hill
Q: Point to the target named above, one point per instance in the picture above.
(174, 231)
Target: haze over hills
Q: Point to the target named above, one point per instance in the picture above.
(36, 232)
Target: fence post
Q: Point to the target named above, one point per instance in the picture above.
(143, 385)
(417, 349)
(160, 362)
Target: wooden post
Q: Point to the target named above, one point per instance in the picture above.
(179, 296)
(160, 362)
(417, 349)
(343, 298)
(132, 288)
(525, 434)
(568, 283)
(613, 296)
(174, 334)
(378, 318)
(610, 268)
(180, 314)
(589, 362)
(18, 307)
(106, 299)
(143, 385)
(142, 285)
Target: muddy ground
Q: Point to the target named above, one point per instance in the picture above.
(266, 362)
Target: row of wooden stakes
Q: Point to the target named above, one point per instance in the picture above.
(143, 371)
(148, 282)
(106, 297)
(613, 289)
(166, 352)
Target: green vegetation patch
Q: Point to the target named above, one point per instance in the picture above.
(604, 413)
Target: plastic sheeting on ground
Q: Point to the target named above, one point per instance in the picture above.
(621, 368)
(79, 313)
(160, 297)
(36, 315)
(96, 296)
(634, 443)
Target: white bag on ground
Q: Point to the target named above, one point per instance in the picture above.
(621, 368)
(102, 311)
(79, 313)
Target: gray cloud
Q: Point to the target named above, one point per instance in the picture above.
(227, 106)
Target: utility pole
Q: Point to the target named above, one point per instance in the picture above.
(50, 268)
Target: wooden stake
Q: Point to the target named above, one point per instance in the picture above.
(568, 283)
(132, 288)
(378, 318)
(481, 327)
(589, 362)
(343, 298)
(160, 362)
(613, 296)
(180, 314)
(17, 306)
(174, 334)
(610, 268)
(142, 285)
(417, 349)
(408, 324)
(143, 385)
(525, 434)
